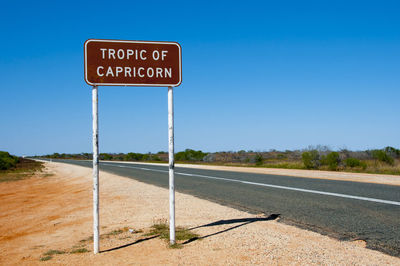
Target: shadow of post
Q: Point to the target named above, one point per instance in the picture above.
(243, 222)
(129, 244)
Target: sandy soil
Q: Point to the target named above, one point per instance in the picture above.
(393, 180)
(54, 212)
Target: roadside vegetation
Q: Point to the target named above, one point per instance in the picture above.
(7, 161)
(13, 168)
(377, 161)
(161, 229)
(123, 237)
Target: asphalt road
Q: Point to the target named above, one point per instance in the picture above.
(341, 209)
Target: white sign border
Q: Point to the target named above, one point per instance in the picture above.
(129, 84)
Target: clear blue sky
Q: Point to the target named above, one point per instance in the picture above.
(256, 75)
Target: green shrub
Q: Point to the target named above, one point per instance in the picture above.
(307, 159)
(353, 162)
(393, 152)
(7, 161)
(105, 156)
(131, 156)
(281, 156)
(190, 155)
(155, 158)
(259, 159)
(310, 159)
(141, 157)
(382, 156)
(333, 160)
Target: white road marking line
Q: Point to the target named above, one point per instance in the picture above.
(269, 185)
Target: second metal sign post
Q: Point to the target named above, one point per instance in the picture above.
(171, 160)
(132, 63)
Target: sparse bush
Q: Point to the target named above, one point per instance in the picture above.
(131, 156)
(281, 156)
(382, 156)
(333, 160)
(259, 159)
(105, 156)
(79, 250)
(46, 258)
(53, 252)
(353, 162)
(155, 158)
(115, 232)
(307, 159)
(393, 152)
(310, 159)
(209, 158)
(181, 234)
(190, 155)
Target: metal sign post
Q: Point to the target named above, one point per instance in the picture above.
(171, 165)
(95, 169)
(132, 63)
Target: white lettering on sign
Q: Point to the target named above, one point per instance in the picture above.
(118, 70)
(128, 71)
(150, 72)
(121, 54)
(109, 72)
(163, 54)
(111, 52)
(141, 55)
(139, 73)
(168, 72)
(98, 72)
(130, 54)
(159, 72)
(142, 72)
(103, 50)
(156, 55)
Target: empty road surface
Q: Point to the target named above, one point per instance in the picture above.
(342, 209)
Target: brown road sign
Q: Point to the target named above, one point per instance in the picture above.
(132, 63)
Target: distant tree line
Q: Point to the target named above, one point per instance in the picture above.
(187, 155)
(386, 160)
(75, 156)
